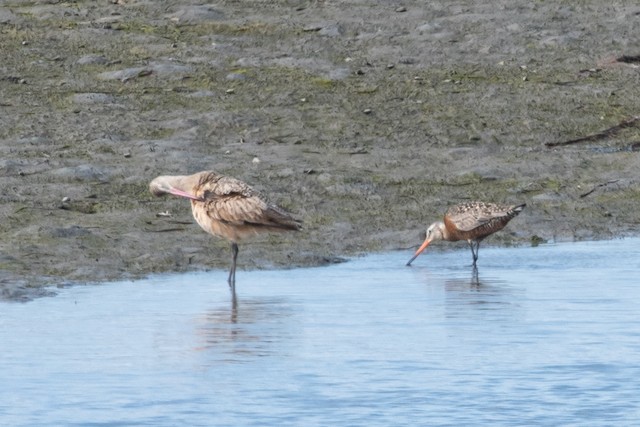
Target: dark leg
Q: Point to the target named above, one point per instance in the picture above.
(475, 247)
(232, 272)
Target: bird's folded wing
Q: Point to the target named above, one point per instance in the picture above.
(237, 209)
(232, 201)
(467, 221)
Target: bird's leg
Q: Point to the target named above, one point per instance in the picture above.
(474, 251)
(475, 256)
(232, 273)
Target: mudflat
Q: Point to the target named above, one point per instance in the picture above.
(364, 118)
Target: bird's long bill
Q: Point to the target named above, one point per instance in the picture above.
(181, 193)
(419, 251)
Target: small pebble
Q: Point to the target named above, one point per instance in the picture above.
(65, 199)
(401, 9)
(230, 91)
(255, 161)
(367, 111)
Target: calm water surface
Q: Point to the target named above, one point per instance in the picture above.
(543, 336)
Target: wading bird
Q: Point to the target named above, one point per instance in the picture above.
(472, 221)
(226, 207)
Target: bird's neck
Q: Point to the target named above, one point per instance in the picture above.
(444, 233)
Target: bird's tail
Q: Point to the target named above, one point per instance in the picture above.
(290, 224)
(516, 210)
(280, 219)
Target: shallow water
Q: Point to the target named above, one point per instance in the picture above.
(544, 336)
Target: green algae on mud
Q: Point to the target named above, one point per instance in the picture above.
(365, 122)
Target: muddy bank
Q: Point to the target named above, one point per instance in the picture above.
(366, 119)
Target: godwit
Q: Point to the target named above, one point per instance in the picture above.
(226, 207)
(472, 221)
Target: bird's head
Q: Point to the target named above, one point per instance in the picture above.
(434, 232)
(170, 185)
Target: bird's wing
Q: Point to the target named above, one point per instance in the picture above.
(234, 202)
(231, 201)
(467, 217)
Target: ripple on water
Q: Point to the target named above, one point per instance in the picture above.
(540, 336)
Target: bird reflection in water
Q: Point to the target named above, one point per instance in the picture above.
(247, 328)
(472, 284)
(483, 294)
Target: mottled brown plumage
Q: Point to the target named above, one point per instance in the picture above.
(226, 207)
(472, 221)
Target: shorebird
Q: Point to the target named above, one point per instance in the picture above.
(472, 221)
(226, 207)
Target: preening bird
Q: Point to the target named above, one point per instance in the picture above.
(226, 207)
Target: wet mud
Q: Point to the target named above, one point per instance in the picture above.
(366, 119)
